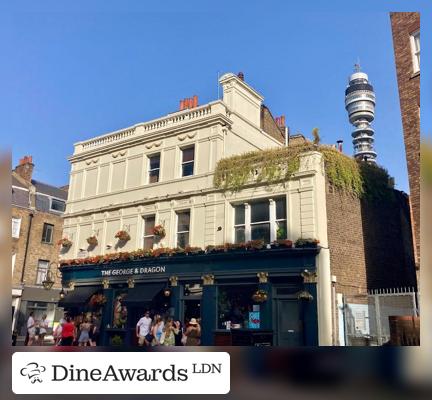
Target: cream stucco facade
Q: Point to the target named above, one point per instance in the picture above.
(110, 189)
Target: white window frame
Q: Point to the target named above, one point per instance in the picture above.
(415, 52)
(57, 199)
(16, 227)
(52, 233)
(272, 220)
(177, 221)
(187, 162)
(144, 236)
(40, 276)
(154, 169)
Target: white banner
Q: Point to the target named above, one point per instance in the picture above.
(62, 372)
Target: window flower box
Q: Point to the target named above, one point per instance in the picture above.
(122, 236)
(282, 243)
(255, 244)
(191, 250)
(306, 243)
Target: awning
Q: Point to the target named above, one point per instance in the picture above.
(143, 293)
(40, 294)
(78, 296)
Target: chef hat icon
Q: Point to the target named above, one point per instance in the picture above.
(32, 371)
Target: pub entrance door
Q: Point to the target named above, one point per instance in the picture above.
(288, 323)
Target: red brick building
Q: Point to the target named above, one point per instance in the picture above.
(406, 43)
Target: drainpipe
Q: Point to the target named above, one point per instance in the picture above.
(324, 288)
(26, 247)
(286, 136)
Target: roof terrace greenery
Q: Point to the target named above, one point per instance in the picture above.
(359, 179)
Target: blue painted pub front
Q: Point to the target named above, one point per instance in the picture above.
(265, 292)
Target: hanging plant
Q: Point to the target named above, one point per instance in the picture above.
(122, 235)
(92, 240)
(64, 242)
(159, 231)
(97, 300)
(260, 296)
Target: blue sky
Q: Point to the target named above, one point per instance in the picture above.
(71, 72)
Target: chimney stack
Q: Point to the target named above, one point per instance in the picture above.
(240, 75)
(191, 102)
(339, 144)
(280, 121)
(25, 168)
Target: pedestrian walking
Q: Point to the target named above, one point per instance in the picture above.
(68, 333)
(84, 338)
(193, 333)
(178, 333)
(43, 326)
(169, 332)
(31, 329)
(157, 330)
(143, 330)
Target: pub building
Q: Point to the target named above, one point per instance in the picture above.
(164, 216)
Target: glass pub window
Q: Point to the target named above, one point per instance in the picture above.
(239, 224)
(415, 50)
(183, 226)
(281, 222)
(188, 159)
(47, 233)
(154, 168)
(41, 272)
(149, 223)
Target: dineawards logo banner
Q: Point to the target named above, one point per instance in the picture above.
(120, 373)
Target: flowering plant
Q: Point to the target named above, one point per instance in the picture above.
(306, 243)
(92, 240)
(260, 296)
(122, 235)
(283, 243)
(64, 242)
(193, 250)
(97, 300)
(255, 244)
(159, 230)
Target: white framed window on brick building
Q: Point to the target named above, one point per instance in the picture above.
(260, 220)
(148, 238)
(153, 168)
(415, 50)
(47, 233)
(188, 161)
(58, 205)
(16, 226)
(41, 271)
(183, 228)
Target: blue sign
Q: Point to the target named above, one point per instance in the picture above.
(254, 320)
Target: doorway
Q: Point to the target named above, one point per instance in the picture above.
(191, 309)
(289, 324)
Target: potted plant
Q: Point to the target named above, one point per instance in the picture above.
(193, 250)
(92, 240)
(284, 243)
(97, 300)
(64, 242)
(122, 235)
(162, 251)
(220, 248)
(255, 244)
(116, 340)
(178, 251)
(159, 231)
(307, 243)
(260, 296)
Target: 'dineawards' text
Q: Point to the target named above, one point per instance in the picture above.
(73, 374)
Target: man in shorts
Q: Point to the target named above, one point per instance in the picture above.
(143, 329)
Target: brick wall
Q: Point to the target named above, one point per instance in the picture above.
(370, 242)
(37, 250)
(404, 24)
(269, 126)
